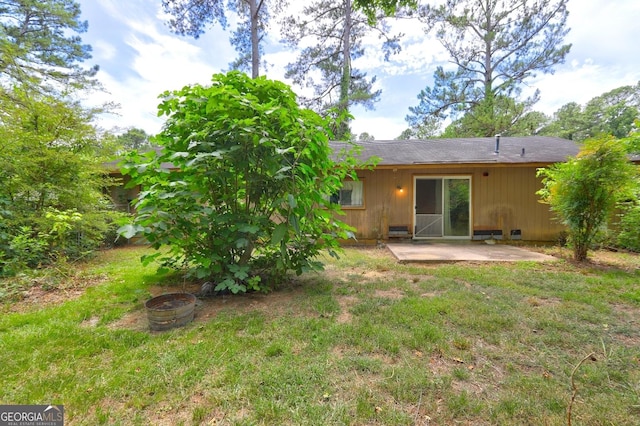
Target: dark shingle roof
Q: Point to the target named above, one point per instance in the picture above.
(512, 150)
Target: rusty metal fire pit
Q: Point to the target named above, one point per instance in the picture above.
(170, 310)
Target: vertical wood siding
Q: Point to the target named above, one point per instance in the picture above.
(504, 199)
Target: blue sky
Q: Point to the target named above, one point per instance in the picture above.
(140, 58)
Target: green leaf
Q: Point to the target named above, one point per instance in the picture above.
(249, 229)
(225, 284)
(241, 275)
(147, 259)
(292, 201)
(295, 222)
(129, 231)
(278, 233)
(176, 155)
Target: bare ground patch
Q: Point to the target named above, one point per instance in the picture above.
(598, 259)
(629, 317)
(541, 301)
(393, 294)
(345, 302)
(42, 292)
(275, 303)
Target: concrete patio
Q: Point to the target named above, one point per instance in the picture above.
(463, 251)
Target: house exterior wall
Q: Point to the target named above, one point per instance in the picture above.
(502, 197)
(120, 195)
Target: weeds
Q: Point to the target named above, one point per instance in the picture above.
(574, 388)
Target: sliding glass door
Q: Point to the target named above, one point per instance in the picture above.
(442, 207)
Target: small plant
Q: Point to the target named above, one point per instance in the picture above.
(27, 249)
(60, 225)
(56, 237)
(574, 388)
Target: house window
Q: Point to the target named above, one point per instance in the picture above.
(350, 195)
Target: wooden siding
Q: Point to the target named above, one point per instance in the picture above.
(120, 195)
(502, 197)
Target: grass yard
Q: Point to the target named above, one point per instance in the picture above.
(368, 341)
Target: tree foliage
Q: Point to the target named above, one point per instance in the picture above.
(40, 44)
(51, 198)
(333, 32)
(628, 236)
(133, 138)
(584, 191)
(52, 207)
(495, 46)
(374, 9)
(364, 136)
(488, 118)
(632, 142)
(248, 199)
(613, 113)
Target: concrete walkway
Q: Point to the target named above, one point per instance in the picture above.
(463, 251)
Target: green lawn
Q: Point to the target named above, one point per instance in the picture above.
(368, 341)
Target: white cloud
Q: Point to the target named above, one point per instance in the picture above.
(603, 56)
(160, 61)
(419, 52)
(580, 82)
(379, 127)
(104, 50)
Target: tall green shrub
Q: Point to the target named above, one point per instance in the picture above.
(584, 191)
(49, 150)
(247, 199)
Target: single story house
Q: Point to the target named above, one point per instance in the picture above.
(471, 188)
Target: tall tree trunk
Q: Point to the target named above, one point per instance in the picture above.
(343, 130)
(488, 66)
(255, 40)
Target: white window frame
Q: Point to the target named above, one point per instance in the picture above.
(353, 191)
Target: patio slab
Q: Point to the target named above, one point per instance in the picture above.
(467, 251)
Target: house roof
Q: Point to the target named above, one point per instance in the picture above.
(512, 150)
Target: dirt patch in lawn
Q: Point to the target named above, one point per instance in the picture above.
(542, 301)
(42, 292)
(273, 304)
(393, 294)
(597, 259)
(346, 303)
(284, 300)
(276, 303)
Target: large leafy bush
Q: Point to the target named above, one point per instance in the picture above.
(246, 199)
(584, 191)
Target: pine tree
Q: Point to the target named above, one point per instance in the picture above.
(40, 45)
(496, 45)
(333, 31)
